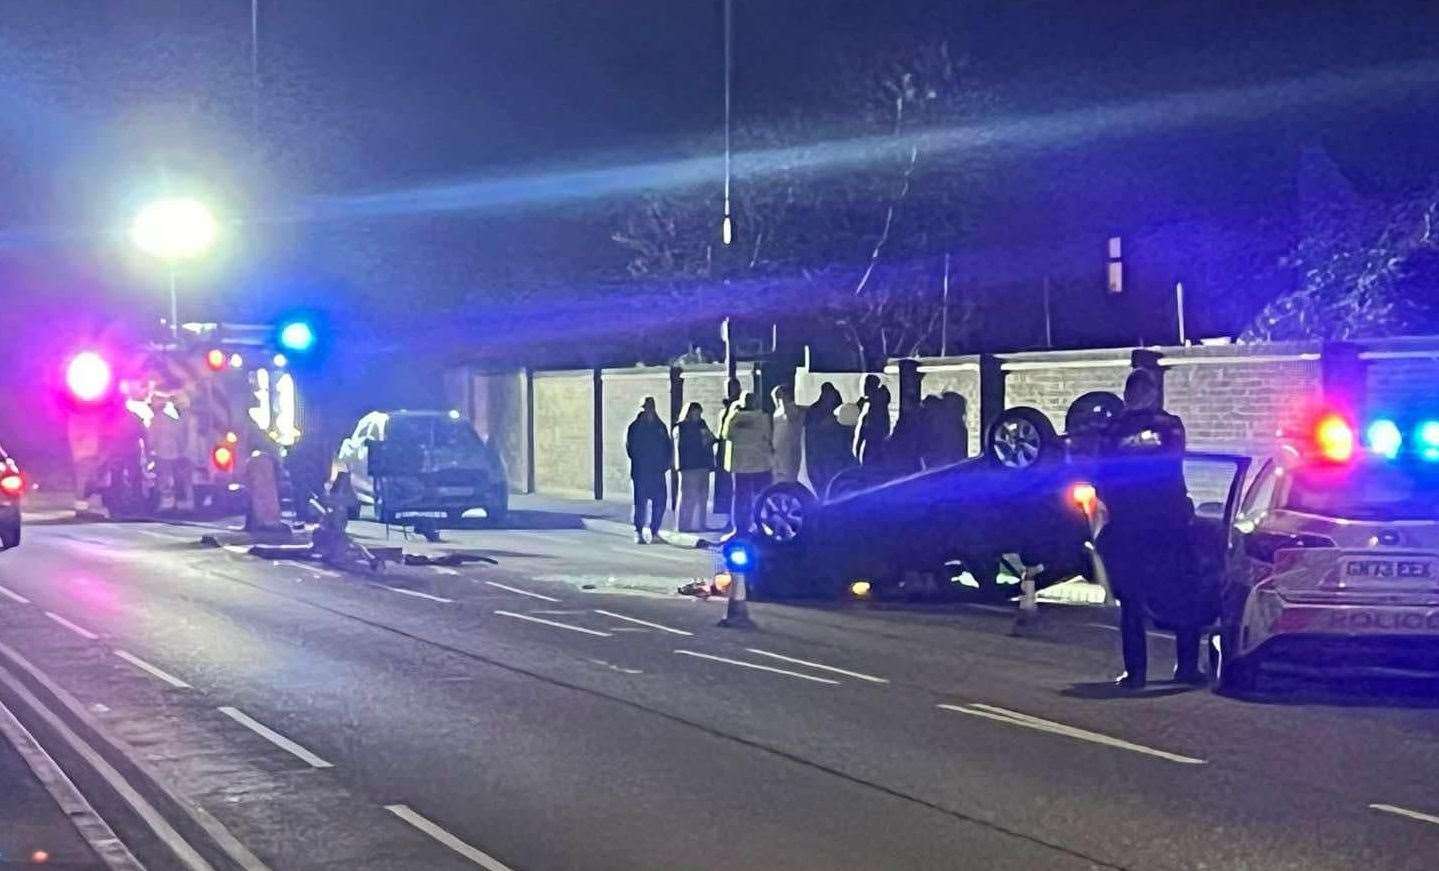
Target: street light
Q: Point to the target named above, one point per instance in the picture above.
(174, 229)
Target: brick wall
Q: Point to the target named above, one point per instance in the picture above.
(500, 413)
(1239, 407)
(622, 392)
(564, 432)
(1404, 385)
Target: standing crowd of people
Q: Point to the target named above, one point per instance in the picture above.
(752, 448)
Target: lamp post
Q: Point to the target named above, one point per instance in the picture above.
(174, 229)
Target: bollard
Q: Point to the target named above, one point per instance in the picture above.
(736, 615)
(1028, 613)
(262, 509)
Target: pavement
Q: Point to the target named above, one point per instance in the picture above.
(561, 708)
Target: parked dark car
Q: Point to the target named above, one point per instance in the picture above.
(12, 488)
(433, 462)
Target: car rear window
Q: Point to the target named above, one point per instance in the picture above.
(1368, 490)
(442, 432)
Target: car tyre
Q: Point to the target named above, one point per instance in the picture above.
(1020, 438)
(1092, 411)
(785, 512)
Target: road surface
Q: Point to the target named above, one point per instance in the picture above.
(504, 716)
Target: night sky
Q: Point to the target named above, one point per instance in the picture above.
(108, 101)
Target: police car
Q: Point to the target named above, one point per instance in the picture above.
(1335, 556)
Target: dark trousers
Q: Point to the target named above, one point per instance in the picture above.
(747, 486)
(651, 494)
(1136, 651)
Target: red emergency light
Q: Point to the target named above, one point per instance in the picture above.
(223, 458)
(215, 359)
(88, 376)
(1334, 438)
(12, 484)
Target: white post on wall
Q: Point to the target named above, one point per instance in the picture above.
(1179, 306)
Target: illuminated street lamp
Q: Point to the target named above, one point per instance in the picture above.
(174, 229)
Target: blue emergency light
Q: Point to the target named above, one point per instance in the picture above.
(739, 555)
(297, 337)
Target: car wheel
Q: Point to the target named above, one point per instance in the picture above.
(1020, 438)
(10, 536)
(1092, 411)
(1231, 674)
(784, 513)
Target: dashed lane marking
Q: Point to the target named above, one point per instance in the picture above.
(1015, 718)
(640, 622)
(442, 570)
(474, 854)
(274, 737)
(1406, 812)
(319, 572)
(14, 596)
(507, 588)
(855, 674)
(78, 630)
(554, 623)
(756, 666)
(154, 670)
(416, 593)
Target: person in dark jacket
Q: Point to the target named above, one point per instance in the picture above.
(874, 422)
(647, 442)
(1145, 543)
(826, 440)
(694, 460)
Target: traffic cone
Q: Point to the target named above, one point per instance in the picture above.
(736, 614)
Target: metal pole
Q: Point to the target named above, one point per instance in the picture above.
(1048, 325)
(1179, 306)
(174, 304)
(255, 65)
(944, 312)
(727, 229)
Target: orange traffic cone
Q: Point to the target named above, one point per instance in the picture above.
(736, 614)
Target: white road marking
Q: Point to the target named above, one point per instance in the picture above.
(757, 666)
(11, 594)
(653, 552)
(1149, 633)
(1015, 718)
(442, 570)
(91, 826)
(541, 597)
(474, 854)
(188, 857)
(295, 564)
(274, 737)
(78, 630)
(640, 622)
(1405, 812)
(416, 593)
(161, 673)
(553, 623)
(869, 677)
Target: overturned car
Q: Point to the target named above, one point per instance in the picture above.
(964, 530)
